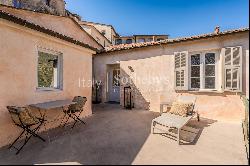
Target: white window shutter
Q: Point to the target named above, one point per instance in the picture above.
(233, 68)
(228, 56)
(181, 76)
(222, 70)
(240, 73)
(184, 63)
(177, 57)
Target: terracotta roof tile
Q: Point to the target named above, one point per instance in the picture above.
(91, 26)
(169, 41)
(44, 30)
(64, 25)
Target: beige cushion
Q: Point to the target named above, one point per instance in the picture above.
(181, 109)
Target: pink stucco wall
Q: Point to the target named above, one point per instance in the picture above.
(158, 62)
(63, 25)
(18, 73)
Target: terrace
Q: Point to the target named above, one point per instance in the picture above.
(116, 136)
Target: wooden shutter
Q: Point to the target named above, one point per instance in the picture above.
(181, 78)
(233, 68)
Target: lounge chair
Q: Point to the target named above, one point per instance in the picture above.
(170, 121)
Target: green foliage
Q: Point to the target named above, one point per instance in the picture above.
(46, 70)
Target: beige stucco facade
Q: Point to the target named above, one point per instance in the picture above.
(151, 70)
(107, 30)
(18, 73)
(101, 39)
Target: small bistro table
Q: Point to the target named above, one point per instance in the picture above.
(53, 104)
(46, 106)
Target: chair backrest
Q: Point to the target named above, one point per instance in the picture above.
(80, 102)
(187, 99)
(22, 116)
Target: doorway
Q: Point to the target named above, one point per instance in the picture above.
(113, 82)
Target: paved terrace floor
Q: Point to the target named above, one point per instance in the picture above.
(115, 136)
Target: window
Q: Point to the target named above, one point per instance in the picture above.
(233, 68)
(180, 70)
(129, 41)
(49, 71)
(149, 39)
(203, 71)
(195, 71)
(47, 2)
(103, 32)
(118, 41)
(160, 39)
(210, 70)
(141, 40)
(17, 4)
(116, 77)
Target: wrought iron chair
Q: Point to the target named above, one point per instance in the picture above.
(30, 124)
(74, 111)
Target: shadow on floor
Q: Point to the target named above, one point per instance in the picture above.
(112, 136)
(190, 133)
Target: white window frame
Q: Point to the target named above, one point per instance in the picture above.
(59, 72)
(190, 69)
(239, 67)
(202, 70)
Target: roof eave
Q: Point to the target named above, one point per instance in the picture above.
(38, 28)
(168, 41)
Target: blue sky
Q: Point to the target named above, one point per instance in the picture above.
(174, 17)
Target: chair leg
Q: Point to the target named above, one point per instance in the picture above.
(35, 135)
(80, 120)
(65, 123)
(16, 140)
(29, 133)
(63, 119)
(152, 127)
(178, 136)
(198, 117)
(25, 142)
(75, 117)
(74, 124)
